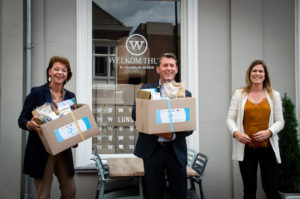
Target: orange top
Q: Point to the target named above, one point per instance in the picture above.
(256, 118)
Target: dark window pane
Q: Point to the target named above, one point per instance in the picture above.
(100, 66)
(112, 50)
(101, 50)
(112, 69)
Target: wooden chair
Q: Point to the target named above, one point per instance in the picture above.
(198, 165)
(102, 176)
(103, 179)
(191, 155)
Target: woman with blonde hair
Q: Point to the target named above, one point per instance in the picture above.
(254, 120)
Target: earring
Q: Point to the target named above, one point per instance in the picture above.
(49, 78)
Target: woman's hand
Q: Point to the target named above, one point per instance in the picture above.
(32, 125)
(262, 135)
(242, 137)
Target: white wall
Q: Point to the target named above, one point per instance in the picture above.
(11, 97)
(279, 44)
(247, 22)
(262, 29)
(214, 94)
(233, 33)
(53, 33)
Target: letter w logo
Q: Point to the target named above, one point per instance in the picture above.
(137, 44)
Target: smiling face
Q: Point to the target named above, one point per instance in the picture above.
(257, 74)
(167, 69)
(58, 73)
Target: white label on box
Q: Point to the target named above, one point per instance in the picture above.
(53, 115)
(70, 130)
(64, 110)
(151, 90)
(172, 115)
(69, 103)
(155, 96)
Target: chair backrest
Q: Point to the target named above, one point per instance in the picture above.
(199, 163)
(191, 155)
(101, 170)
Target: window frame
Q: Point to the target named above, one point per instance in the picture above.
(84, 74)
(109, 79)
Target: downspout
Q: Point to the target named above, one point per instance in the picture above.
(28, 48)
(27, 183)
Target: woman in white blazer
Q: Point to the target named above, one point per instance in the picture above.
(254, 120)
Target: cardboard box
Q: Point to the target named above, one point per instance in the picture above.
(105, 115)
(125, 94)
(107, 130)
(106, 139)
(125, 135)
(104, 93)
(143, 94)
(122, 148)
(125, 139)
(124, 116)
(136, 88)
(63, 133)
(106, 149)
(152, 116)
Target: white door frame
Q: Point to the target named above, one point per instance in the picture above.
(189, 70)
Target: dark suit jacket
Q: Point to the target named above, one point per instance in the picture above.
(146, 143)
(36, 155)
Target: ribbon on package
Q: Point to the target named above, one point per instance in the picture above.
(77, 125)
(170, 115)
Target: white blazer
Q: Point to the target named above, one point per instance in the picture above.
(235, 118)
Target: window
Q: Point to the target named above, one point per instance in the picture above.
(84, 82)
(104, 71)
(128, 37)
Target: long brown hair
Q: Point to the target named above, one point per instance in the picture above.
(267, 81)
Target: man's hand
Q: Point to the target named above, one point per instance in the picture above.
(242, 137)
(166, 135)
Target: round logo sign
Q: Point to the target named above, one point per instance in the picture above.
(136, 44)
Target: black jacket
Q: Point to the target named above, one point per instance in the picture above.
(36, 155)
(146, 143)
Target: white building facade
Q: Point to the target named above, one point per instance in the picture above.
(218, 41)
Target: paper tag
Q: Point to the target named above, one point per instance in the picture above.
(53, 116)
(69, 102)
(154, 93)
(151, 90)
(155, 96)
(178, 115)
(64, 110)
(70, 130)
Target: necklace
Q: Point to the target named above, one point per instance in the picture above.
(57, 96)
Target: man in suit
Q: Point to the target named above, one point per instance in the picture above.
(164, 154)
